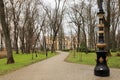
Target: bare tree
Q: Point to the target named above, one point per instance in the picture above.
(6, 33)
(38, 32)
(114, 23)
(61, 35)
(107, 27)
(55, 17)
(87, 23)
(91, 25)
(76, 19)
(16, 11)
(29, 27)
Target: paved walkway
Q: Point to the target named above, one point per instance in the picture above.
(56, 69)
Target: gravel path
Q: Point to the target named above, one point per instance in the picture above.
(56, 69)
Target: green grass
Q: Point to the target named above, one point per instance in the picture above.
(89, 59)
(21, 60)
(114, 61)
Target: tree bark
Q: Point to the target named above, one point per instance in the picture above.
(53, 43)
(6, 33)
(1, 43)
(107, 29)
(78, 38)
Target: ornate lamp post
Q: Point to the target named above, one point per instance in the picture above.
(101, 68)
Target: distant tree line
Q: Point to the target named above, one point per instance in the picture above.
(83, 18)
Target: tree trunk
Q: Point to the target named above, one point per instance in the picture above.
(107, 29)
(22, 46)
(78, 39)
(119, 5)
(113, 40)
(6, 33)
(16, 43)
(52, 48)
(107, 39)
(45, 47)
(53, 41)
(118, 40)
(1, 43)
(22, 40)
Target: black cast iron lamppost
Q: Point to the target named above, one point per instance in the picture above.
(101, 68)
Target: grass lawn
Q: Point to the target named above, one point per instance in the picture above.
(21, 60)
(89, 59)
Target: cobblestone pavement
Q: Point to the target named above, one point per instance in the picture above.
(56, 69)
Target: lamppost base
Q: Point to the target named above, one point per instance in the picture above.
(101, 70)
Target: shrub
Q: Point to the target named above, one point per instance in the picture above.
(113, 50)
(118, 54)
(118, 49)
(67, 50)
(92, 50)
(83, 48)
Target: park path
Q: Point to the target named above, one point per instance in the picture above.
(56, 68)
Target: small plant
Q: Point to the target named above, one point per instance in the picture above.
(67, 50)
(113, 50)
(83, 48)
